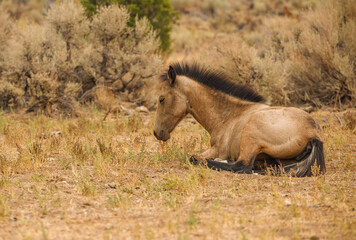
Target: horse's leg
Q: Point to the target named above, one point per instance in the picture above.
(200, 159)
(244, 163)
(237, 166)
(210, 153)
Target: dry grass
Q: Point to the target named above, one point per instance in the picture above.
(87, 179)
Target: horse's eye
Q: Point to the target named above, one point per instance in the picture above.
(161, 99)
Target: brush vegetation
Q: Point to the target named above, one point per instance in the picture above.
(52, 66)
(293, 53)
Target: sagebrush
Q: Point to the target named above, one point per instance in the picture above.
(292, 52)
(68, 55)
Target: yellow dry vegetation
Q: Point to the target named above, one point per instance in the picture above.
(88, 178)
(85, 178)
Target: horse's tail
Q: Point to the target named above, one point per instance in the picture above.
(314, 163)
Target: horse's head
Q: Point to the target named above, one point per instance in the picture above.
(172, 107)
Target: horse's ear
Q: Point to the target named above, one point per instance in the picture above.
(172, 75)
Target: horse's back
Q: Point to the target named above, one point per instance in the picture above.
(282, 132)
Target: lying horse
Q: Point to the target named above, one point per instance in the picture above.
(244, 130)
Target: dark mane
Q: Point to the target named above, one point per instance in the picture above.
(216, 80)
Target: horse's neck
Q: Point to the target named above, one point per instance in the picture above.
(212, 108)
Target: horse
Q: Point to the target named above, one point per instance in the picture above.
(246, 134)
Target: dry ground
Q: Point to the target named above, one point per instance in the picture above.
(88, 179)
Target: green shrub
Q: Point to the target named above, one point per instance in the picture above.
(159, 13)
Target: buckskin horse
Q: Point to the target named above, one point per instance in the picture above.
(247, 135)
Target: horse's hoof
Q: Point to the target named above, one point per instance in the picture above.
(193, 161)
(220, 160)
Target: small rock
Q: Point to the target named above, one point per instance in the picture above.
(13, 218)
(142, 109)
(112, 185)
(287, 202)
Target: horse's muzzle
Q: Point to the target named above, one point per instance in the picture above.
(161, 135)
